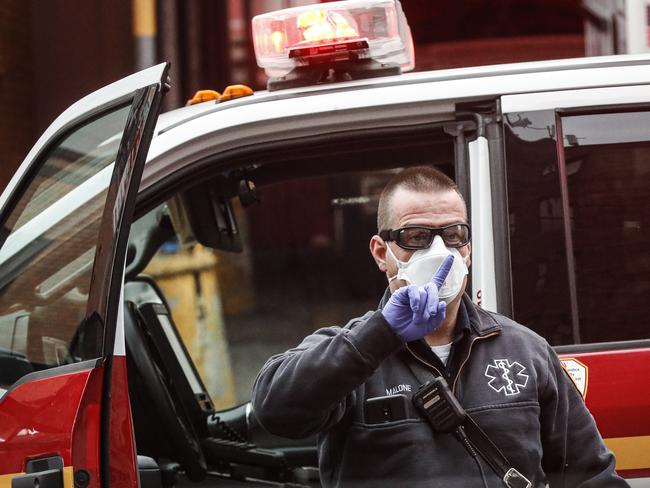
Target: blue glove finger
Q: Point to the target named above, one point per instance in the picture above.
(425, 311)
(432, 298)
(440, 276)
(414, 297)
(412, 312)
(442, 310)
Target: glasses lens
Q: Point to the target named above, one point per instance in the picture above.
(415, 237)
(455, 235)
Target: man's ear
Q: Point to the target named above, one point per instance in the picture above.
(469, 254)
(378, 251)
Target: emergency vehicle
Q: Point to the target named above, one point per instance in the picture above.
(99, 381)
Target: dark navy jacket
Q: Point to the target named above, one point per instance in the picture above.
(507, 377)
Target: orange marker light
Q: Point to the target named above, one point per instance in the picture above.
(235, 91)
(203, 96)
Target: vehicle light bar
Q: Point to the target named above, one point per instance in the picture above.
(326, 33)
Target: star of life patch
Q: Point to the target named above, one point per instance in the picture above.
(578, 372)
(507, 377)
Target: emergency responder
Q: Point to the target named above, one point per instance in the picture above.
(506, 377)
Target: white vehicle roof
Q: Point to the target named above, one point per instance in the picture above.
(471, 82)
(219, 126)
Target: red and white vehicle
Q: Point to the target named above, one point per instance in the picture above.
(103, 382)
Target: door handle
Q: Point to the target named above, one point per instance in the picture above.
(41, 473)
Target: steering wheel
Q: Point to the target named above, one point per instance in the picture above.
(176, 425)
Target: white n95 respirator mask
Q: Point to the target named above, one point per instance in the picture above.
(424, 263)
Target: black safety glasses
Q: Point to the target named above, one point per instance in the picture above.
(415, 237)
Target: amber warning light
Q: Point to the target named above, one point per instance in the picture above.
(344, 40)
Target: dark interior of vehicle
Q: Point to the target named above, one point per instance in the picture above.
(163, 384)
(201, 445)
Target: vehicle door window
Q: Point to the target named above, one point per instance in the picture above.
(46, 259)
(607, 157)
(578, 226)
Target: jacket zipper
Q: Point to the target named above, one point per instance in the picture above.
(453, 388)
(424, 362)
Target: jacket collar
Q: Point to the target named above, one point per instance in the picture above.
(384, 299)
(481, 322)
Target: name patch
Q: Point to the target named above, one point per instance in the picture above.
(398, 389)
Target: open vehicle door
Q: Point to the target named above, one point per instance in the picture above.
(64, 407)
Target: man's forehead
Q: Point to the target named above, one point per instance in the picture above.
(406, 203)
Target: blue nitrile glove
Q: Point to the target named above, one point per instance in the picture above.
(415, 311)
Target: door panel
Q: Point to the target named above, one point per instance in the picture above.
(618, 397)
(580, 255)
(39, 417)
(64, 219)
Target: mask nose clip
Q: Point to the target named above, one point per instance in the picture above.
(438, 243)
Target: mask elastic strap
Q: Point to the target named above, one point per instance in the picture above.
(392, 255)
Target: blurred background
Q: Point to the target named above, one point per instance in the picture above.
(54, 52)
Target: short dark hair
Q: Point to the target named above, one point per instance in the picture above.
(416, 178)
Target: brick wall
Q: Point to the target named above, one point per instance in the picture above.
(480, 52)
(52, 54)
(16, 85)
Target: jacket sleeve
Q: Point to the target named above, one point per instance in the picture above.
(574, 455)
(309, 388)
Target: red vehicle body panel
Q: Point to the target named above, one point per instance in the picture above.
(54, 416)
(618, 397)
(61, 416)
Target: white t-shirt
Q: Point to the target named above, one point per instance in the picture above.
(442, 352)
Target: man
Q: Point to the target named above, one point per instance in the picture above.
(506, 377)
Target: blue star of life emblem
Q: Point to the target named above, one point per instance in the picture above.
(507, 377)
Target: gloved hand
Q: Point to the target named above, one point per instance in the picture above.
(414, 312)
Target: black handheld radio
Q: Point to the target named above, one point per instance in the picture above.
(439, 405)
